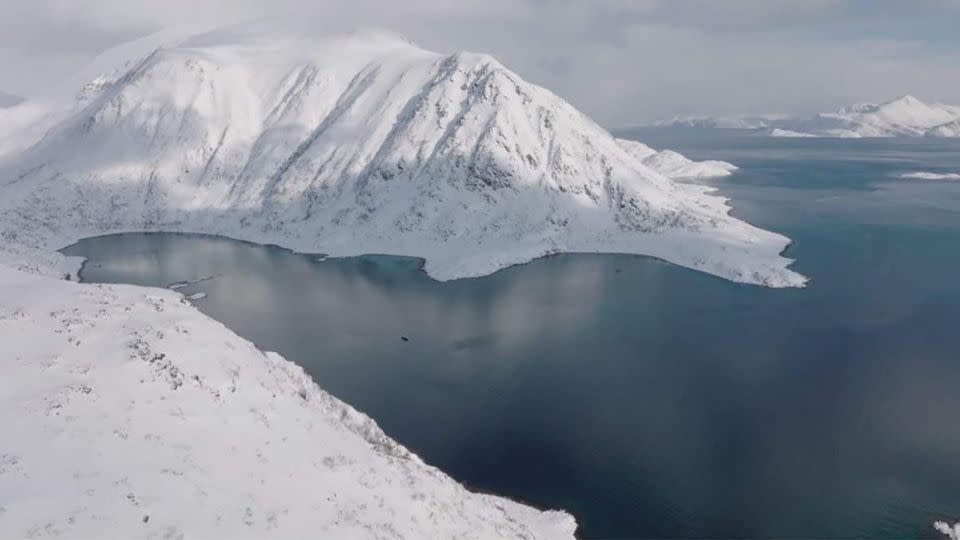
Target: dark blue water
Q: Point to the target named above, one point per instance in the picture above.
(650, 400)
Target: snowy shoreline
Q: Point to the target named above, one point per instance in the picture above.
(75, 265)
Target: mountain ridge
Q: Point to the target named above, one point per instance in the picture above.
(369, 144)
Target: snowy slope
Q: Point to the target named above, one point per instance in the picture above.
(906, 116)
(357, 144)
(950, 129)
(24, 124)
(129, 414)
(674, 165)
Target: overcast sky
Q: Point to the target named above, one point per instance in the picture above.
(621, 61)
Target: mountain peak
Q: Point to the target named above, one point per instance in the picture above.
(363, 143)
(905, 99)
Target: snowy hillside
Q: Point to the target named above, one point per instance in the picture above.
(950, 129)
(675, 165)
(903, 117)
(129, 414)
(357, 144)
(906, 116)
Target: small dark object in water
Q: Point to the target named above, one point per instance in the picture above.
(146, 519)
(619, 270)
(404, 338)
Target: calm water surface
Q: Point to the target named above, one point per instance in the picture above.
(647, 399)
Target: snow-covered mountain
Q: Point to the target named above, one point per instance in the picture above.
(133, 412)
(364, 143)
(906, 116)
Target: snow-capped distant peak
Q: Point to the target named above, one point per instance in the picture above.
(906, 100)
(905, 116)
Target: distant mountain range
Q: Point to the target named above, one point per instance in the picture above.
(905, 116)
(719, 122)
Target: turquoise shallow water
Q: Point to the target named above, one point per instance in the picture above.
(650, 400)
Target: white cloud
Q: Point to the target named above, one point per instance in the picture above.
(619, 60)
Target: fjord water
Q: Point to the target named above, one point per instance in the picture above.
(647, 399)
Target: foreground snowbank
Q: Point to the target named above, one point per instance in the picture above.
(130, 414)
